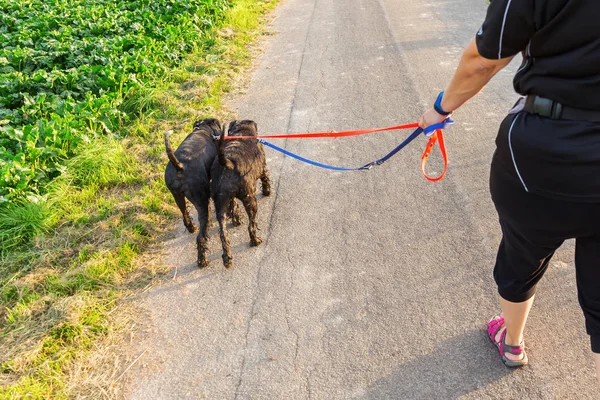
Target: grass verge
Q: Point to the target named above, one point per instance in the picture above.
(91, 242)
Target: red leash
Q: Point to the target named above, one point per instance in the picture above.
(331, 134)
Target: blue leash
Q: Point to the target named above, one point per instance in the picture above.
(428, 131)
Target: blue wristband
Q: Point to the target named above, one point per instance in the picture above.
(438, 106)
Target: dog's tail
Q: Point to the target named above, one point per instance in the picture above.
(176, 163)
(225, 163)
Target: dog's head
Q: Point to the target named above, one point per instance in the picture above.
(211, 124)
(242, 128)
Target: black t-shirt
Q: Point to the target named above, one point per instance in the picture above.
(560, 41)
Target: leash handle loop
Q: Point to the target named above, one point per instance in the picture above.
(437, 136)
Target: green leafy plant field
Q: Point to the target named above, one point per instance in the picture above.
(71, 70)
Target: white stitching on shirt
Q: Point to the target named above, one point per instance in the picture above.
(502, 31)
(513, 154)
(525, 64)
(526, 60)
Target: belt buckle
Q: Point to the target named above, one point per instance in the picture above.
(557, 110)
(543, 107)
(547, 108)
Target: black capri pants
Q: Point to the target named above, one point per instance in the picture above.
(534, 226)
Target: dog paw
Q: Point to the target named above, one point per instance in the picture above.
(202, 263)
(266, 192)
(236, 221)
(191, 228)
(228, 262)
(255, 242)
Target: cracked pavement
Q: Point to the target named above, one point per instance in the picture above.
(369, 285)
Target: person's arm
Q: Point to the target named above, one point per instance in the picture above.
(506, 31)
(597, 360)
(472, 74)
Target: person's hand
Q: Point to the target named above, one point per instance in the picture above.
(431, 117)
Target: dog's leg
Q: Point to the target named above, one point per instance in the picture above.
(234, 213)
(182, 204)
(221, 206)
(251, 206)
(265, 180)
(202, 238)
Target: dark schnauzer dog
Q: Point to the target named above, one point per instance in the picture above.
(239, 164)
(188, 177)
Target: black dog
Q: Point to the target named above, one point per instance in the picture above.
(188, 177)
(239, 164)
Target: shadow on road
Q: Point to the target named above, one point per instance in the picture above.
(457, 367)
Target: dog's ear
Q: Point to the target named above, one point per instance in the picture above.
(216, 125)
(255, 127)
(216, 128)
(198, 124)
(232, 126)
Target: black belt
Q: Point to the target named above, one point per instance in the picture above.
(552, 109)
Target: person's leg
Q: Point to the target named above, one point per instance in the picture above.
(515, 312)
(515, 316)
(597, 360)
(522, 260)
(523, 256)
(587, 265)
(517, 272)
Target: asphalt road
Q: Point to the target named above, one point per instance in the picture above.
(369, 285)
